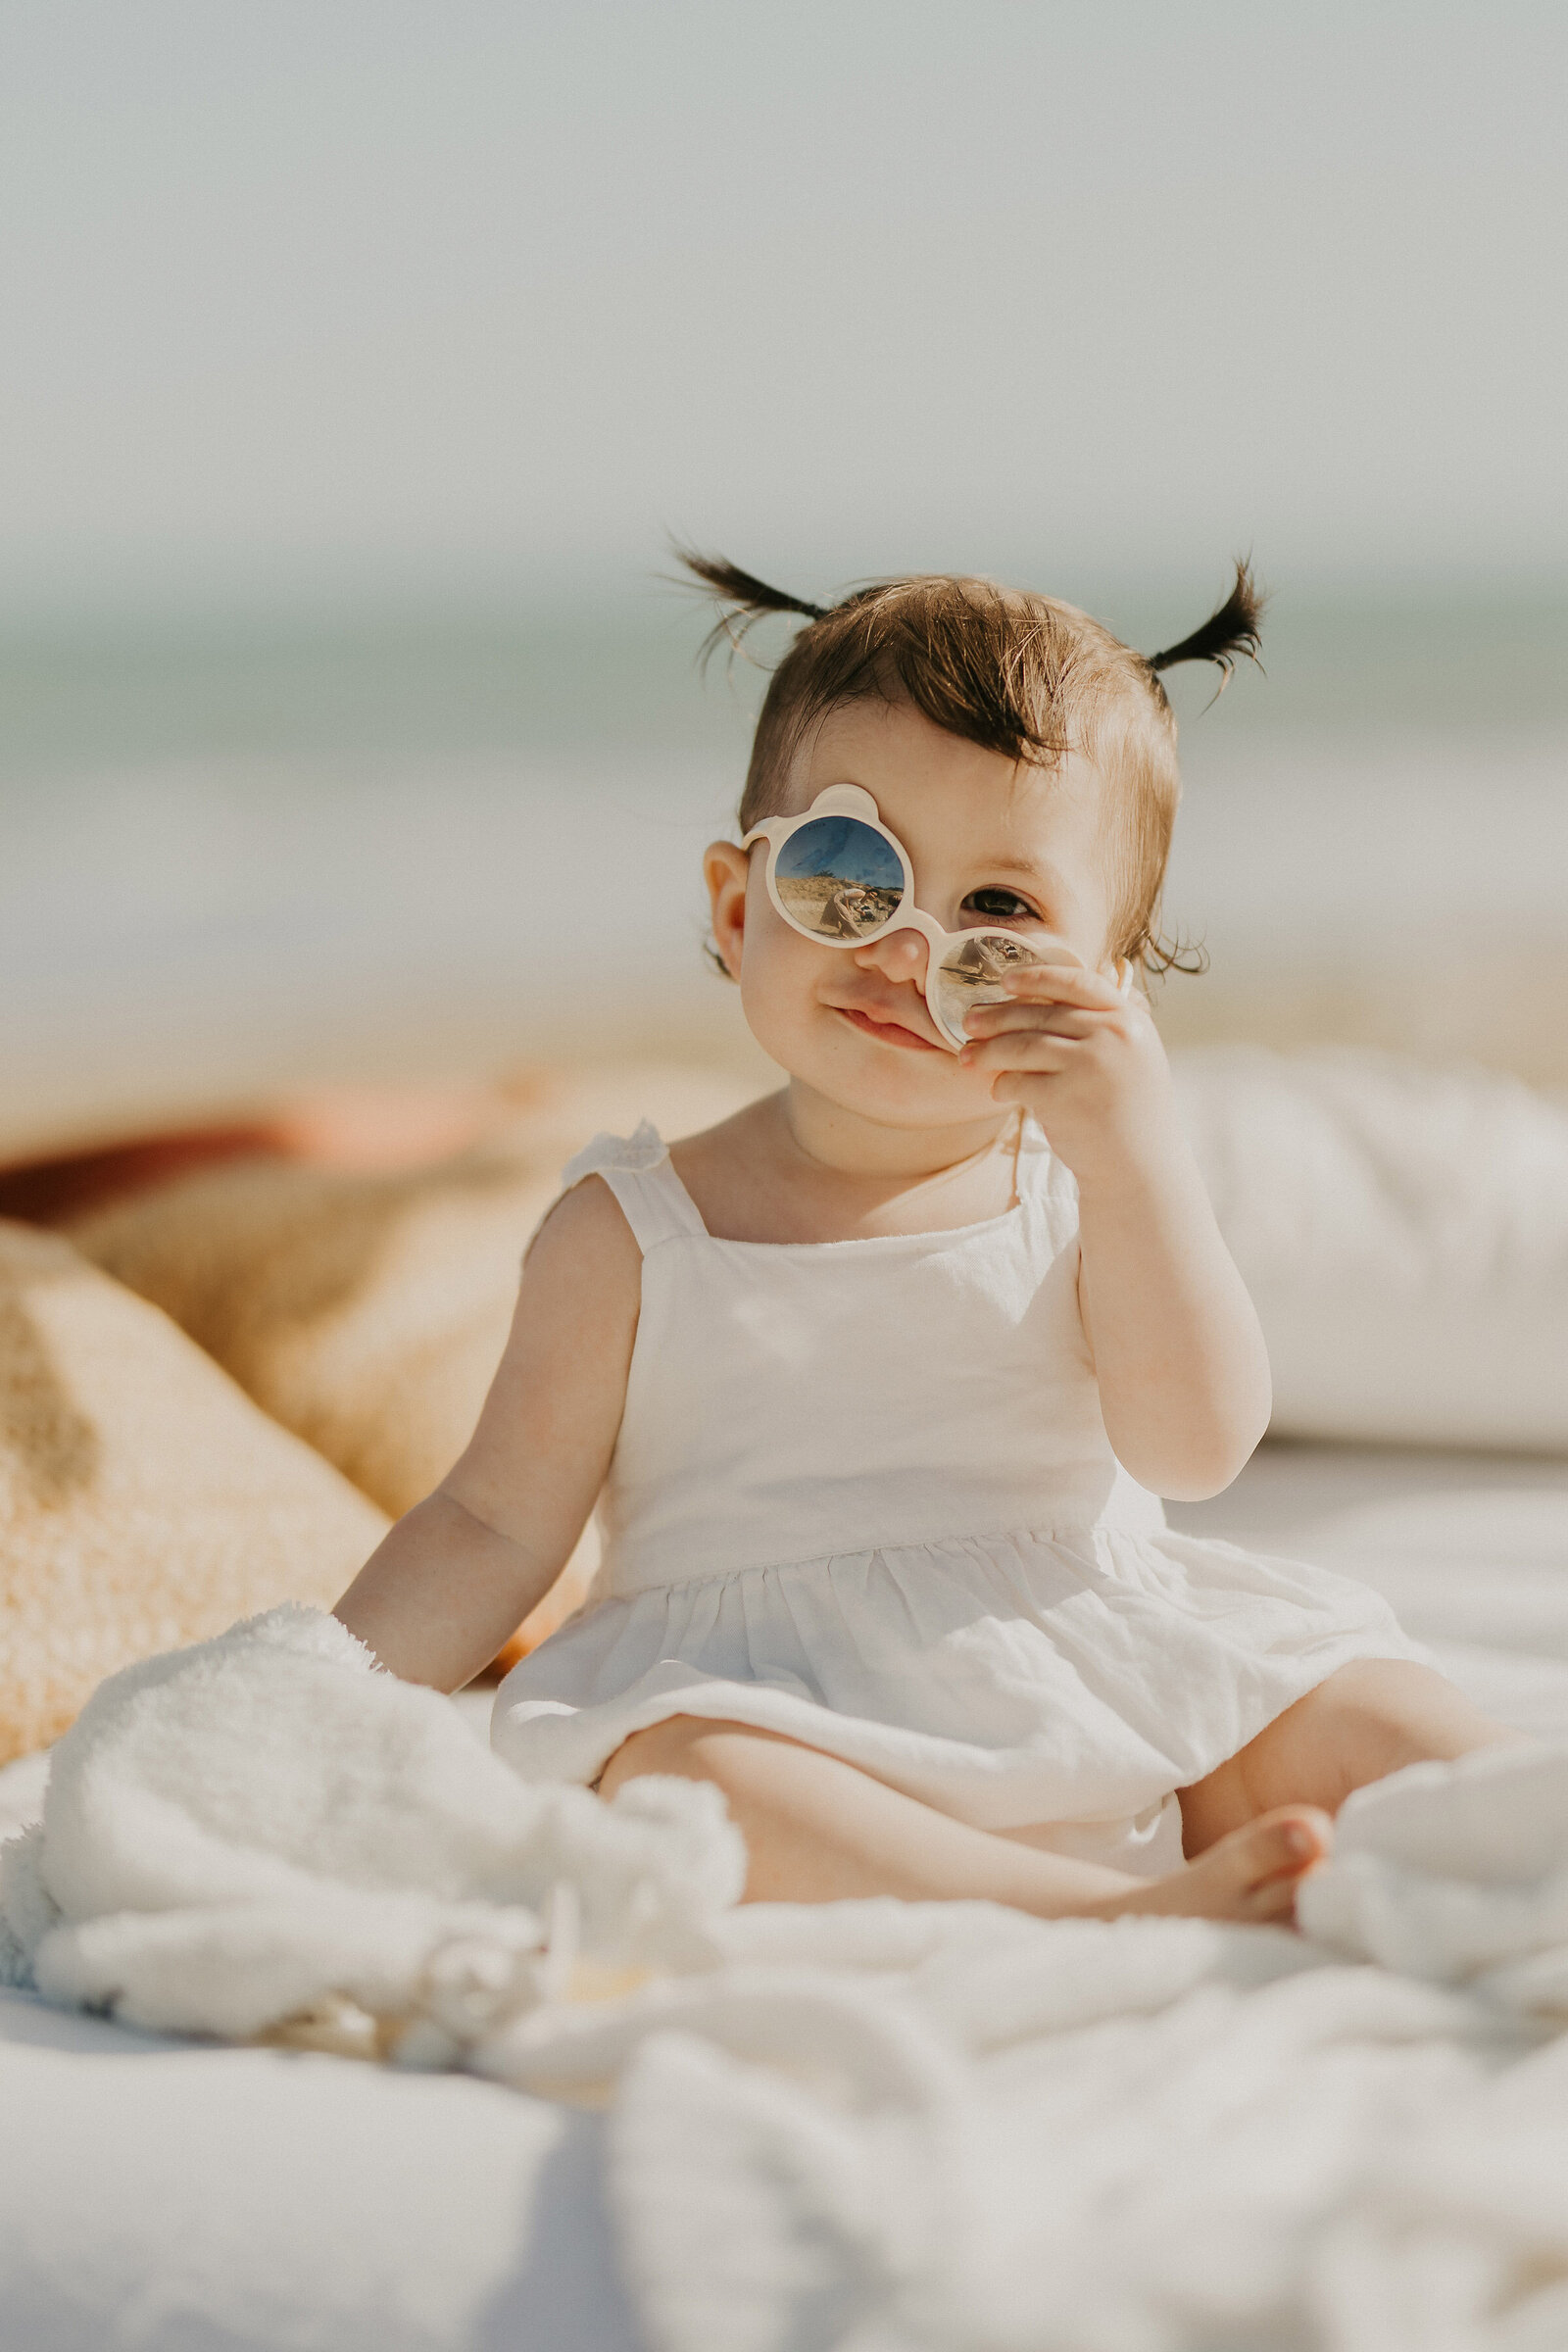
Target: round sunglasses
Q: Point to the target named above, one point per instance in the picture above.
(837, 875)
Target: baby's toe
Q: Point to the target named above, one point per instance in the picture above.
(1274, 1853)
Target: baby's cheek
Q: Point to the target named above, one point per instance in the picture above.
(776, 992)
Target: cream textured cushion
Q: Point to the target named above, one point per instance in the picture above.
(144, 1502)
(1403, 1227)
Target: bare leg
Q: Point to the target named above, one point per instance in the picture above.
(819, 1830)
(1368, 1720)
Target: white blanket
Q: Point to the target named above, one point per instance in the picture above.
(871, 2125)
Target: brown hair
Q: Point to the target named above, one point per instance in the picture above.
(1014, 671)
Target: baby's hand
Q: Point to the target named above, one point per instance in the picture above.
(1086, 1060)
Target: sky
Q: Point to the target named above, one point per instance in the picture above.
(378, 297)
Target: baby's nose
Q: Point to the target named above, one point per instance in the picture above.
(898, 955)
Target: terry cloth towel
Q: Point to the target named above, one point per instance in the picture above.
(237, 1833)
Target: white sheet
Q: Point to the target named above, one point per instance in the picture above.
(1157, 2134)
(176, 2198)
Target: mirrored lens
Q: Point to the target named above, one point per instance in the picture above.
(971, 972)
(839, 878)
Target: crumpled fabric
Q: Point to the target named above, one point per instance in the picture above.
(870, 2127)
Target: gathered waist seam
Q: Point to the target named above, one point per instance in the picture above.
(864, 1551)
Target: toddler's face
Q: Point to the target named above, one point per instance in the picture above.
(1018, 847)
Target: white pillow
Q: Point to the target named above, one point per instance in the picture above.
(1403, 1229)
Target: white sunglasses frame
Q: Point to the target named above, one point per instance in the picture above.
(853, 799)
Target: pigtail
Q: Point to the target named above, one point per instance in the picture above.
(1158, 956)
(1236, 628)
(745, 600)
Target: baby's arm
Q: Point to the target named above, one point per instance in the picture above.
(459, 1572)
(1179, 1354)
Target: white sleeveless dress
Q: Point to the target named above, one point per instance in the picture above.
(862, 1495)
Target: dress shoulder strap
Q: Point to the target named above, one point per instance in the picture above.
(637, 1168)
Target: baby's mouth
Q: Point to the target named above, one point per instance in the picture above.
(887, 1030)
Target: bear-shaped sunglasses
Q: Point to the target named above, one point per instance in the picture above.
(837, 875)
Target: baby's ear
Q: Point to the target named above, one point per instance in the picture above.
(725, 869)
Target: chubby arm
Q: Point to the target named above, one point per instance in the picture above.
(1179, 1353)
(459, 1572)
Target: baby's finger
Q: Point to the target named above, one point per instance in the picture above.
(1019, 1086)
(1032, 1050)
(1060, 983)
(997, 1020)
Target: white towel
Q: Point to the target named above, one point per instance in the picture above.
(237, 1833)
(1457, 1873)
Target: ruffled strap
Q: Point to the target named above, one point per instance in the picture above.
(637, 1168)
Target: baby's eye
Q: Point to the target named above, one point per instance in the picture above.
(999, 905)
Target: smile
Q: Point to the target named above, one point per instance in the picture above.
(888, 1033)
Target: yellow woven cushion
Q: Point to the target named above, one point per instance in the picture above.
(368, 1313)
(144, 1500)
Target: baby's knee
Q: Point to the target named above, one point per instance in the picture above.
(1383, 1713)
(1396, 1693)
(686, 1747)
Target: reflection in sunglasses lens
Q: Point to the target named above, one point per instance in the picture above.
(839, 878)
(971, 975)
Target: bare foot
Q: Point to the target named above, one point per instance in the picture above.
(1251, 1875)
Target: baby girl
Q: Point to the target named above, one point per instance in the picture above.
(878, 1385)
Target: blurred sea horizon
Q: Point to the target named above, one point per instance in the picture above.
(250, 850)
